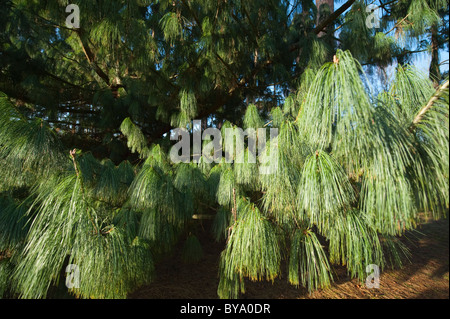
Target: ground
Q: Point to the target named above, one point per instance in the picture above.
(425, 277)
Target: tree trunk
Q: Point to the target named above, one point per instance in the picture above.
(435, 73)
(324, 9)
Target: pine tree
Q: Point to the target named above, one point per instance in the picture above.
(85, 135)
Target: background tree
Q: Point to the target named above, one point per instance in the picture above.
(86, 115)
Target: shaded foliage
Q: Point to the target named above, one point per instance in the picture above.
(85, 122)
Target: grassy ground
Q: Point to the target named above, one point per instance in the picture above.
(427, 276)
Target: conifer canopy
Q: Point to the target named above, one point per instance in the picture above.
(87, 113)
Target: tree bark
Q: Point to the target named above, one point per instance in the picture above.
(435, 73)
(324, 9)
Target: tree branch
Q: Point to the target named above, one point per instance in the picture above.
(90, 56)
(430, 103)
(333, 16)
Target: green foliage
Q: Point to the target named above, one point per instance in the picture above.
(246, 173)
(410, 90)
(422, 15)
(153, 189)
(308, 262)
(354, 243)
(323, 190)
(187, 175)
(192, 250)
(252, 118)
(14, 224)
(340, 105)
(252, 250)
(280, 187)
(221, 224)
(277, 117)
(227, 188)
(136, 140)
(112, 220)
(431, 180)
(5, 274)
(171, 27)
(29, 150)
(113, 183)
(188, 106)
(85, 126)
(106, 34)
(68, 226)
(159, 230)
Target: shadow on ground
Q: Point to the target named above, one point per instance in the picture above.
(427, 276)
